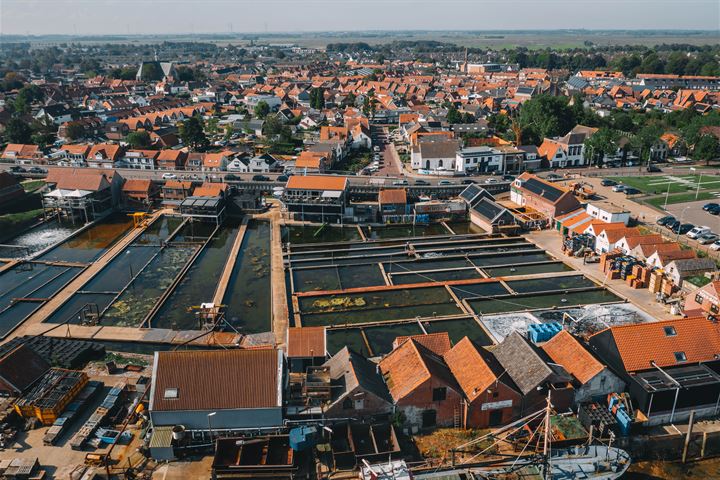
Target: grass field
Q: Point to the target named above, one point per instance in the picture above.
(682, 198)
(656, 185)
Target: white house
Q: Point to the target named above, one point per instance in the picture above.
(259, 164)
(607, 212)
(434, 156)
(478, 160)
(253, 99)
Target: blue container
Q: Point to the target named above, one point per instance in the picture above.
(302, 438)
(624, 422)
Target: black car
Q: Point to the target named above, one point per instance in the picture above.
(709, 206)
(421, 182)
(17, 169)
(665, 221)
(231, 176)
(714, 210)
(552, 177)
(672, 225)
(37, 170)
(654, 169)
(683, 228)
(467, 181)
(260, 178)
(282, 178)
(508, 178)
(608, 183)
(631, 191)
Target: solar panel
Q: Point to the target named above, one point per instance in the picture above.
(543, 189)
(487, 209)
(470, 192)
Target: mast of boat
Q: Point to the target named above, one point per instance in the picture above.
(546, 444)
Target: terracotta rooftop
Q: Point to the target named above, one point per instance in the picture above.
(438, 343)
(317, 182)
(566, 350)
(471, 367)
(639, 344)
(216, 379)
(306, 342)
(392, 196)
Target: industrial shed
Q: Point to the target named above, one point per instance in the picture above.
(217, 390)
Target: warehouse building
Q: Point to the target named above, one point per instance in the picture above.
(217, 391)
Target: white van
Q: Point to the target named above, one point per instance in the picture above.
(697, 232)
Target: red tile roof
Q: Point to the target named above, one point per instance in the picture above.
(306, 342)
(565, 350)
(392, 196)
(438, 343)
(316, 182)
(639, 344)
(216, 379)
(471, 368)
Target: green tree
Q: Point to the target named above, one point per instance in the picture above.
(317, 98)
(151, 72)
(602, 143)
(622, 121)
(74, 131)
(499, 123)
(18, 131)
(706, 148)
(229, 131)
(546, 116)
(139, 139)
(192, 133)
(212, 126)
(272, 126)
(124, 73)
(262, 109)
(645, 139)
(453, 116)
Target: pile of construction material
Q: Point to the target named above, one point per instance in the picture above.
(87, 431)
(73, 410)
(635, 273)
(52, 393)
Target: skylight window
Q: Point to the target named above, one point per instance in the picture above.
(670, 331)
(680, 357)
(171, 393)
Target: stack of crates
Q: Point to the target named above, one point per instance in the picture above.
(640, 276)
(55, 390)
(97, 418)
(607, 260)
(542, 332)
(600, 418)
(656, 280)
(72, 411)
(618, 408)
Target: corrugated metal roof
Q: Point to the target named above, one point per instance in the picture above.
(210, 379)
(161, 437)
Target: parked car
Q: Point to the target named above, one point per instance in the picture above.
(619, 188)
(715, 245)
(260, 178)
(445, 182)
(282, 178)
(400, 182)
(37, 170)
(508, 178)
(231, 176)
(552, 177)
(665, 221)
(16, 169)
(421, 182)
(683, 228)
(631, 191)
(467, 181)
(710, 205)
(608, 183)
(169, 176)
(707, 238)
(653, 169)
(490, 181)
(714, 210)
(697, 232)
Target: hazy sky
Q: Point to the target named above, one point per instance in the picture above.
(205, 16)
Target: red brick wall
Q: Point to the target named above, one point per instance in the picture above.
(479, 418)
(422, 399)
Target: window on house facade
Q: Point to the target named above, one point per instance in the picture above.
(714, 308)
(680, 357)
(439, 394)
(698, 298)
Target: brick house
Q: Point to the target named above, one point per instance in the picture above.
(139, 192)
(531, 191)
(703, 301)
(22, 154)
(357, 388)
(592, 379)
(104, 155)
(175, 190)
(421, 385)
(171, 159)
(491, 399)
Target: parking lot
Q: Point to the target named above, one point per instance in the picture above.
(692, 212)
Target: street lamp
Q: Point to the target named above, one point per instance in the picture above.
(677, 237)
(697, 191)
(210, 415)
